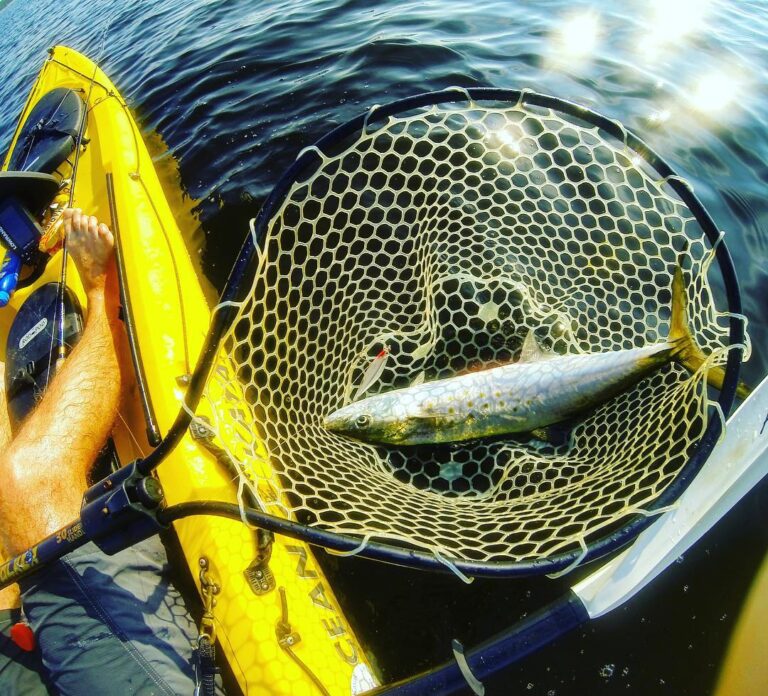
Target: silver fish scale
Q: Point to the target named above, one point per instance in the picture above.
(516, 398)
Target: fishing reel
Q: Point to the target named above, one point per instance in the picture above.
(22, 195)
(29, 236)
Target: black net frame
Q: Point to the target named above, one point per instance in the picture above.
(240, 280)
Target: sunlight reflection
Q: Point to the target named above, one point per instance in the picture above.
(671, 21)
(660, 116)
(509, 140)
(716, 90)
(576, 38)
(578, 35)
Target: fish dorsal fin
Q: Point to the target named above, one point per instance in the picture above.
(532, 350)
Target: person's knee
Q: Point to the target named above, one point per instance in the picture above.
(34, 502)
(15, 479)
(13, 502)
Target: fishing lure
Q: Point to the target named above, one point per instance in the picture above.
(372, 373)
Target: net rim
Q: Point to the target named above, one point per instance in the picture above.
(311, 158)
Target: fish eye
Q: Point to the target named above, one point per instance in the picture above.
(362, 421)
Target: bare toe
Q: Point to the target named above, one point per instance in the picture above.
(90, 244)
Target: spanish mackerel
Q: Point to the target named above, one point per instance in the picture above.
(537, 391)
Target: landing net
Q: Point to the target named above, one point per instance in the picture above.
(445, 234)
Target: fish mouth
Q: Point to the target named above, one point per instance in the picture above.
(341, 420)
(335, 424)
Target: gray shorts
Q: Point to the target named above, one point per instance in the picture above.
(107, 624)
(21, 673)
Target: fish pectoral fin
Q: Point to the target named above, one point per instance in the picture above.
(557, 434)
(532, 350)
(427, 421)
(513, 423)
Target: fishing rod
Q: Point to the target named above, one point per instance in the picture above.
(58, 338)
(60, 309)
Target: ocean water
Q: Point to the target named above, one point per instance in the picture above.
(236, 88)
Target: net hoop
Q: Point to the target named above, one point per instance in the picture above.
(311, 158)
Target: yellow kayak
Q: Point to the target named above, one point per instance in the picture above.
(744, 671)
(278, 624)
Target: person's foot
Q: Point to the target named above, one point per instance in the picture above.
(90, 243)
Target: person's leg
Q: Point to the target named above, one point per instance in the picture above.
(31, 506)
(21, 670)
(112, 624)
(5, 419)
(44, 469)
(9, 596)
(105, 624)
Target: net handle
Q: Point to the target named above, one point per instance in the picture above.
(717, 489)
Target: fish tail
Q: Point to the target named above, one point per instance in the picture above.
(685, 350)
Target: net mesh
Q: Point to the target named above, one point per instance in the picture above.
(446, 234)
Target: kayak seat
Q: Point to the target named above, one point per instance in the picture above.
(46, 140)
(49, 134)
(29, 363)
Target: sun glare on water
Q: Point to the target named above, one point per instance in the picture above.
(579, 34)
(670, 23)
(670, 28)
(576, 38)
(716, 90)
